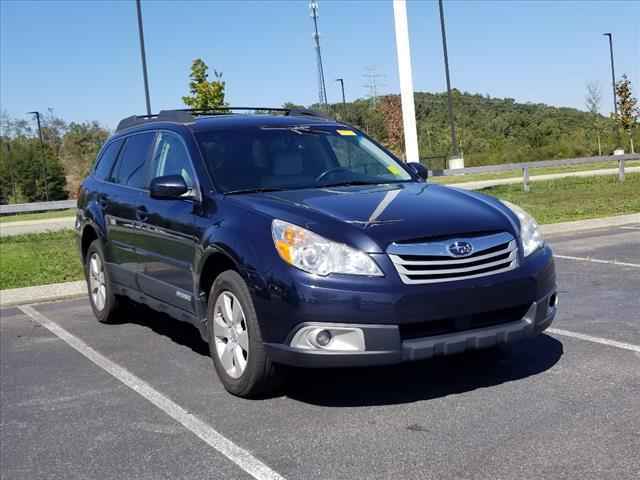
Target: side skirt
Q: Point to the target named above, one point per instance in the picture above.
(163, 307)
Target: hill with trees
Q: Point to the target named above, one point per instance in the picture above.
(490, 130)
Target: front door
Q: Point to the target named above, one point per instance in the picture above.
(168, 232)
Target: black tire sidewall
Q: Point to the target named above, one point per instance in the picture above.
(258, 364)
(106, 315)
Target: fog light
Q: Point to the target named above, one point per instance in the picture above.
(323, 338)
(329, 337)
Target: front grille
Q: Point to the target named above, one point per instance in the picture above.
(432, 262)
(462, 323)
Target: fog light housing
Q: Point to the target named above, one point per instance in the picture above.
(332, 338)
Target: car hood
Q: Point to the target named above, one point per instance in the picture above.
(387, 213)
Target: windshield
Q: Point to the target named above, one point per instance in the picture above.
(280, 158)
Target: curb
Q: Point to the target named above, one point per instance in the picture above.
(591, 224)
(62, 291)
(42, 293)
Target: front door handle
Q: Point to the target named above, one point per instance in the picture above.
(142, 213)
(102, 200)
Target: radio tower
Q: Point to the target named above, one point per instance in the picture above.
(322, 91)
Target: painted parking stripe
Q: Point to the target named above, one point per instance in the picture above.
(241, 457)
(597, 260)
(630, 228)
(600, 340)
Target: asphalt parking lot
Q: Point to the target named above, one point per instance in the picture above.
(140, 400)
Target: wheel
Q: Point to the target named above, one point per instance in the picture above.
(235, 342)
(104, 303)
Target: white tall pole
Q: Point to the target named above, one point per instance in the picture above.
(406, 81)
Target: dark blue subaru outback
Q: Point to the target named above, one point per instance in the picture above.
(293, 239)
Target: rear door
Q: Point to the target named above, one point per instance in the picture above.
(128, 180)
(168, 232)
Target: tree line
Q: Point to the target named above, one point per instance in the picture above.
(33, 171)
(490, 131)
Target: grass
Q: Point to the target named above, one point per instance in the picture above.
(52, 257)
(532, 171)
(38, 216)
(39, 259)
(574, 198)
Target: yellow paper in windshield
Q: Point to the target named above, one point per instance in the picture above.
(346, 133)
(394, 169)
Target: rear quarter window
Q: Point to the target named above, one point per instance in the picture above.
(105, 163)
(130, 170)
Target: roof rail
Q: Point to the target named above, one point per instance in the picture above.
(188, 115)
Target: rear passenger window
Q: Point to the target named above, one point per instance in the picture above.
(105, 162)
(131, 167)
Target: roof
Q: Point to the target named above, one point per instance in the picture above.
(225, 118)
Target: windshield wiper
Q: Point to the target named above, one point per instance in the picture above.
(255, 190)
(348, 183)
(300, 129)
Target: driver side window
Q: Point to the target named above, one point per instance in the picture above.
(170, 157)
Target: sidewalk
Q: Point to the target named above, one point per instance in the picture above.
(24, 227)
(59, 291)
(480, 184)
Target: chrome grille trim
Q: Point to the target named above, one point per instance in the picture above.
(459, 268)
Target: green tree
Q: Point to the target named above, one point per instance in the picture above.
(627, 108)
(80, 145)
(205, 95)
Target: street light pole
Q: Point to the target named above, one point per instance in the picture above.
(44, 160)
(613, 83)
(454, 141)
(144, 57)
(613, 73)
(341, 80)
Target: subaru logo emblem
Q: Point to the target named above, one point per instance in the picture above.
(460, 249)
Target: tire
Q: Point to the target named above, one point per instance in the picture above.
(235, 341)
(104, 303)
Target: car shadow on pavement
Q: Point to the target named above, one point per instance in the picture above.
(182, 333)
(424, 380)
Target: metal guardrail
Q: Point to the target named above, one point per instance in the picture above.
(525, 166)
(37, 207)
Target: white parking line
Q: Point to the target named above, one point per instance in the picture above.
(630, 228)
(208, 434)
(597, 260)
(589, 338)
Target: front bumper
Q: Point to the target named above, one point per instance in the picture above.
(384, 344)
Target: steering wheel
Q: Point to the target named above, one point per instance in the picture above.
(331, 171)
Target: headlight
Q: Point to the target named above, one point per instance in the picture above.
(314, 254)
(530, 234)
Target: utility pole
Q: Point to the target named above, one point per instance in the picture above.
(144, 57)
(454, 141)
(341, 80)
(322, 90)
(44, 160)
(373, 84)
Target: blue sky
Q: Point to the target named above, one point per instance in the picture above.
(81, 57)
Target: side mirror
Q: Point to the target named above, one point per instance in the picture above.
(167, 187)
(419, 170)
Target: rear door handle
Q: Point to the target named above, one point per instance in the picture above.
(142, 213)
